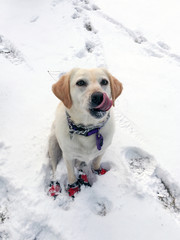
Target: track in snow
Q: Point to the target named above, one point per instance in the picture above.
(156, 181)
(10, 52)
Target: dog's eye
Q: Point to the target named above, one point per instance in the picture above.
(81, 83)
(104, 82)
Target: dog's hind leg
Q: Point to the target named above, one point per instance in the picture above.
(55, 152)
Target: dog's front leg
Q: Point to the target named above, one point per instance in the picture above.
(96, 163)
(96, 166)
(70, 171)
(74, 184)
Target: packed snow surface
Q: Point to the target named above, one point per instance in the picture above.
(138, 42)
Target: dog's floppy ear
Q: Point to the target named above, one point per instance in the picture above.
(61, 90)
(116, 87)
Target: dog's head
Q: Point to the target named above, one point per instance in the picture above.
(93, 91)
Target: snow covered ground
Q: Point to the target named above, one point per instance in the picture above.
(139, 198)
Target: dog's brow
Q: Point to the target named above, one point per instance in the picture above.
(94, 76)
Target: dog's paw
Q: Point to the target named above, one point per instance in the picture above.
(100, 171)
(54, 189)
(73, 189)
(83, 179)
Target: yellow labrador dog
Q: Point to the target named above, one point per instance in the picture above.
(84, 123)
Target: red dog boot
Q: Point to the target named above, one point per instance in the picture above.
(73, 189)
(100, 171)
(54, 189)
(83, 180)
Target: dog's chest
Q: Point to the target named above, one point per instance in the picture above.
(86, 148)
(83, 148)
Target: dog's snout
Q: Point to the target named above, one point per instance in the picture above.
(96, 98)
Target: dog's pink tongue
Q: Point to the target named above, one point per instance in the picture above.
(106, 103)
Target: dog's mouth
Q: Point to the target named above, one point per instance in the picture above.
(100, 110)
(97, 113)
(105, 105)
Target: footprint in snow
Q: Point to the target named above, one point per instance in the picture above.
(9, 51)
(163, 45)
(1, 145)
(139, 161)
(90, 46)
(100, 206)
(144, 167)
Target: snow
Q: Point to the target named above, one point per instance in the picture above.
(151, 19)
(139, 198)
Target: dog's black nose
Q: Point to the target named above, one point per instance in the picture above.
(96, 99)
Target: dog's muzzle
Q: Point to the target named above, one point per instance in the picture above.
(100, 104)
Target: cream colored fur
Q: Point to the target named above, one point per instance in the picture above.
(75, 100)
